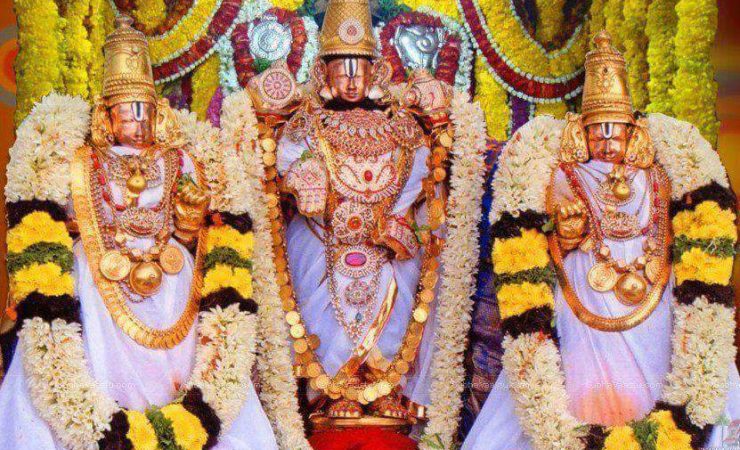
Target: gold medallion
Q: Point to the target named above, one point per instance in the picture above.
(146, 278)
(114, 265)
(653, 268)
(630, 289)
(602, 277)
(171, 259)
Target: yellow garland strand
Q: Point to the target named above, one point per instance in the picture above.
(633, 27)
(698, 265)
(78, 49)
(446, 7)
(140, 431)
(493, 99)
(226, 236)
(39, 61)
(556, 110)
(550, 20)
(47, 279)
(188, 30)
(188, 430)
(695, 90)
(660, 29)
(101, 15)
(521, 51)
(621, 438)
(707, 221)
(597, 20)
(150, 13)
(515, 299)
(35, 228)
(670, 437)
(517, 254)
(205, 83)
(613, 18)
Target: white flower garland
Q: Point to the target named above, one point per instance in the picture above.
(703, 333)
(62, 390)
(310, 51)
(279, 390)
(45, 141)
(459, 260)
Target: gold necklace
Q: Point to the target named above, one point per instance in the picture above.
(111, 292)
(653, 297)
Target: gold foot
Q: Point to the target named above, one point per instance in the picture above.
(344, 408)
(389, 406)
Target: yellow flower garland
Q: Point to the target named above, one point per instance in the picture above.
(47, 279)
(226, 236)
(517, 254)
(556, 110)
(223, 276)
(670, 437)
(101, 15)
(633, 28)
(695, 90)
(621, 438)
(514, 299)
(660, 29)
(493, 99)
(189, 432)
(706, 221)
(39, 61)
(141, 432)
(697, 265)
(446, 7)
(598, 21)
(150, 13)
(613, 18)
(550, 19)
(205, 82)
(78, 49)
(34, 228)
(188, 30)
(522, 52)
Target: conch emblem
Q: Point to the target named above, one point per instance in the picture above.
(418, 46)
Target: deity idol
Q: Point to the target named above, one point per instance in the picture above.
(619, 319)
(359, 281)
(156, 362)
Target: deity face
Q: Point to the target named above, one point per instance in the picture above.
(133, 124)
(349, 78)
(608, 141)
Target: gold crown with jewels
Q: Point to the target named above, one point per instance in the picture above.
(347, 29)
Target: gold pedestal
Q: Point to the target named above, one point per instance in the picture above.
(322, 423)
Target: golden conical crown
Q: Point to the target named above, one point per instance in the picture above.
(347, 29)
(127, 75)
(606, 95)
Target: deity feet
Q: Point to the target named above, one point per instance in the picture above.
(344, 409)
(389, 406)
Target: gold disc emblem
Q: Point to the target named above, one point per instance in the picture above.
(653, 268)
(602, 277)
(146, 279)
(114, 265)
(171, 259)
(631, 289)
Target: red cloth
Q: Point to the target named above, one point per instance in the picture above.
(368, 438)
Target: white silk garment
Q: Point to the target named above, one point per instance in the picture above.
(135, 376)
(307, 258)
(611, 377)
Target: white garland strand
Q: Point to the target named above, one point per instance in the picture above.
(279, 389)
(703, 336)
(460, 262)
(45, 141)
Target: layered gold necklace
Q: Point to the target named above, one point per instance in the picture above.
(117, 270)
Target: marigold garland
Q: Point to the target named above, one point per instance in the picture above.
(205, 82)
(99, 23)
(597, 20)
(78, 48)
(635, 19)
(550, 19)
(557, 110)
(613, 20)
(660, 28)
(446, 7)
(492, 98)
(695, 90)
(149, 13)
(39, 63)
(290, 5)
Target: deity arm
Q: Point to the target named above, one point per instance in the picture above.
(396, 230)
(571, 220)
(190, 203)
(304, 175)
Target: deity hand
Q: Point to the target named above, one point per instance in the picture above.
(191, 205)
(308, 182)
(571, 221)
(427, 95)
(395, 233)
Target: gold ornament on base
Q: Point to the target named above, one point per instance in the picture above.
(146, 278)
(631, 289)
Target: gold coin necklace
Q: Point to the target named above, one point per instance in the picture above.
(607, 274)
(141, 271)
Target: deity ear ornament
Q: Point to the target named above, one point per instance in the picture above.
(382, 72)
(101, 129)
(167, 131)
(573, 144)
(319, 81)
(640, 151)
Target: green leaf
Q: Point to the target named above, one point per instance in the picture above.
(163, 429)
(227, 256)
(41, 253)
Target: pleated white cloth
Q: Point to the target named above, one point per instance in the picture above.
(135, 376)
(611, 377)
(306, 254)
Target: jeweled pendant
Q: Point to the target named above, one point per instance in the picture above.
(146, 279)
(630, 289)
(621, 190)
